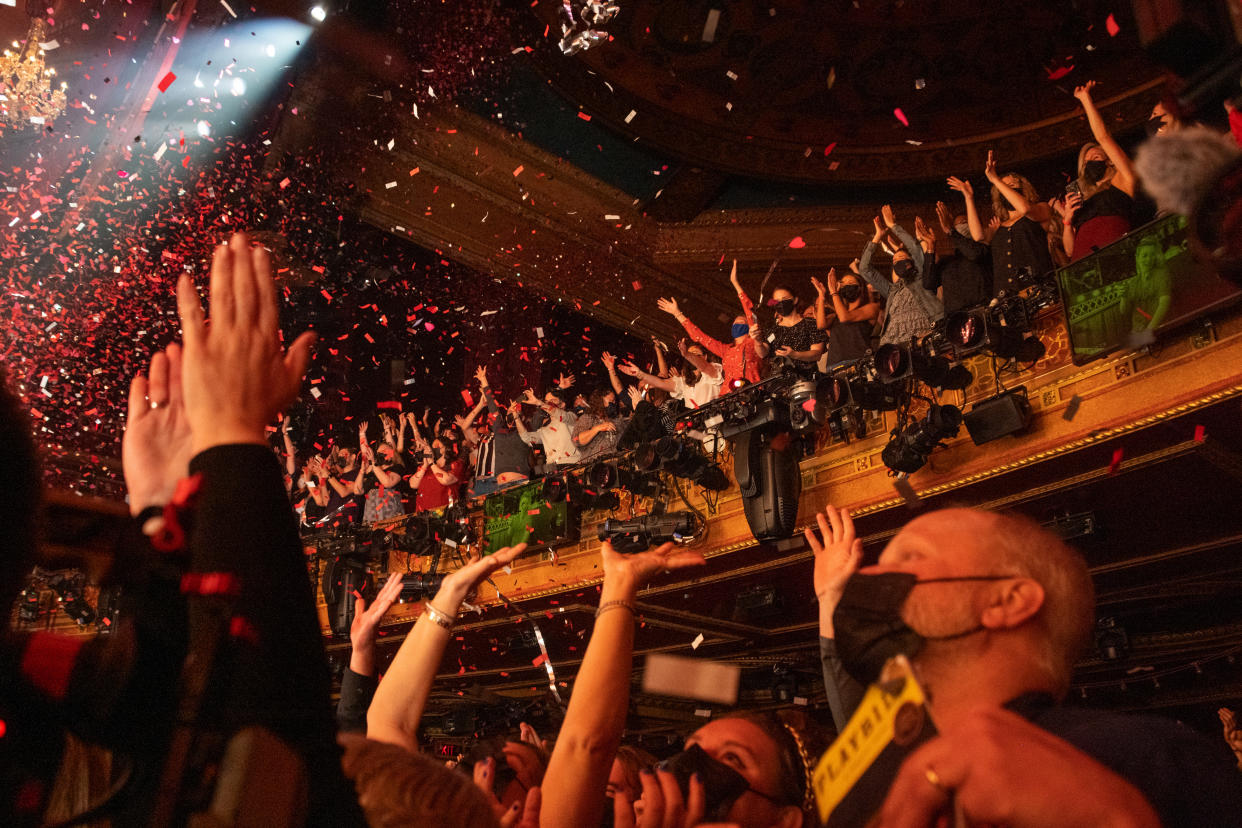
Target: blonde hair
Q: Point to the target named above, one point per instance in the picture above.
(397, 788)
(1000, 207)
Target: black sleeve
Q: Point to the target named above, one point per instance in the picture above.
(643, 427)
(933, 274)
(844, 694)
(357, 691)
(976, 251)
(272, 671)
(491, 400)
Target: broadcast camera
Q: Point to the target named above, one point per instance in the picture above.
(630, 536)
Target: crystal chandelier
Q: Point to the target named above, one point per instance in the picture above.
(26, 92)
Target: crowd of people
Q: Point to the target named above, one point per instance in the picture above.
(992, 610)
(896, 292)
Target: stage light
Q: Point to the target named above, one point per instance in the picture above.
(270, 50)
(204, 129)
(319, 13)
(681, 459)
(892, 363)
(765, 463)
(630, 536)
(908, 449)
(998, 416)
(974, 330)
(875, 396)
(237, 87)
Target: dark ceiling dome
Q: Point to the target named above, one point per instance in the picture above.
(810, 90)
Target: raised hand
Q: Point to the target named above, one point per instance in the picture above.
(922, 232)
(1233, 736)
(854, 266)
(464, 581)
(367, 618)
(880, 230)
(636, 396)
(480, 374)
(610, 361)
(529, 397)
(637, 569)
(886, 212)
(236, 376)
(157, 447)
(564, 381)
(819, 287)
(1083, 93)
(629, 369)
(660, 345)
(833, 282)
(1067, 206)
(945, 216)
(682, 348)
(837, 550)
(733, 277)
(961, 185)
(989, 167)
(668, 306)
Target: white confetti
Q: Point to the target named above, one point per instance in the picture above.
(698, 639)
(228, 9)
(390, 185)
(630, 117)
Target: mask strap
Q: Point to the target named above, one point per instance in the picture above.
(967, 578)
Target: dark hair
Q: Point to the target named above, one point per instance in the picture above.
(596, 404)
(19, 480)
(798, 743)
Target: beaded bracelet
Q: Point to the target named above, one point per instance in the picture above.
(437, 617)
(607, 605)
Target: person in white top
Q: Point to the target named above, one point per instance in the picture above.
(696, 386)
(556, 435)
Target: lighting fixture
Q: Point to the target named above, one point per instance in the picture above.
(28, 95)
(908, 449)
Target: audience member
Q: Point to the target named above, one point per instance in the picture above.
(555, 432)
(794, 338)
(910, 310)
(853, 318)
(963, 278)
(739, 359)
(994, 611)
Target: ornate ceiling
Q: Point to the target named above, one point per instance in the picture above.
(809, 90)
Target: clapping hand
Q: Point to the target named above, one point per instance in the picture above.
(636, 396)
(961, 185)
(819, 287)
(945, 216)
(880, 230)
(157, 447)
(923, 233)
(236, 375)
(833, 282)
(886, 212)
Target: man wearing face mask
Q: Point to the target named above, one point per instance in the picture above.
(993, 612)
(911, 310)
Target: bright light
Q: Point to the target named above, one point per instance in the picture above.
(204, 129)
(319, 13)
(270, 50)
(238, 87)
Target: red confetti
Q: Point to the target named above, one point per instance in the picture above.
(584, 116)
(797, 243)
(828, 149)
(539, 660)
(901, 116)
(1200, 434)
(167, 81)
(1112, 26)
(1114, 466)
(1057, 74)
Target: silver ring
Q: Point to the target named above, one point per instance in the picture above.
(155, 405)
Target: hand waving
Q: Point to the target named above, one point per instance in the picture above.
(961, 185)
(236, 375)
(838, 553)
(668, 306)
(157, 447)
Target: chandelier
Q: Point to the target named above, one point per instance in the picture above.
(26, 92)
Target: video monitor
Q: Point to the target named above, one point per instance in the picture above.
(1129, 292)
(525, 514)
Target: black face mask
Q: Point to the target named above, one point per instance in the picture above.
(784, 307)
(612, 410)
(850, 293)
(1094, 171)
(868, 623)
(722, 785)
(905, 269)
(1153, 125)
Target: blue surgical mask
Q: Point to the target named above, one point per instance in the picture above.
(739, 329)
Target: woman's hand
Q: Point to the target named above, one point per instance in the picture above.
(945, 216)
(961, 185)
(820, 290)
(629, 369)
(989, 168)
(663, 805)
(923, 233)
(610, 361)
(1068, 206)
(236, 375)
(564, 381)
(636, 396)
(669, 306)
(733, 278)
(529, 397)
(635, 570)
(880, 230)
(480, 374)
(1083, 93)
(886, 212)
(837, 550)
(462, 582)
(157, 447)
(367, 618)
(683, 348)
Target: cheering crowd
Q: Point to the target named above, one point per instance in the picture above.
(992, 609)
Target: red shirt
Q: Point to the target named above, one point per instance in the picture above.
(739, 362)
(434, 495)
